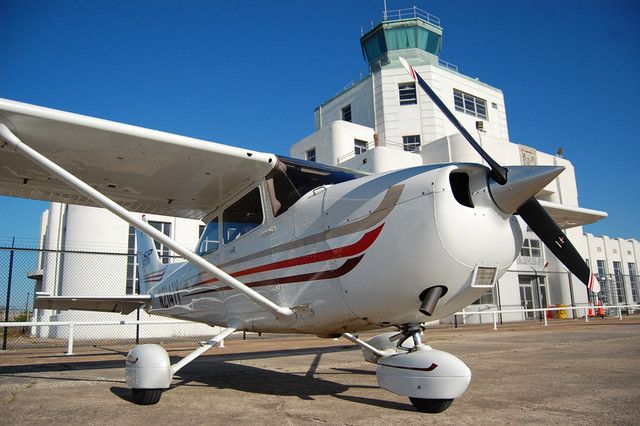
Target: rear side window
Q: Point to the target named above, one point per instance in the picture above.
(242, 216)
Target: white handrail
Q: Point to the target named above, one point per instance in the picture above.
(586, 309)
(73, 324)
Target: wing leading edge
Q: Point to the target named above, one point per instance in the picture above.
(144, 170)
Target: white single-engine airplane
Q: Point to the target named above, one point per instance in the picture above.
(290, 246)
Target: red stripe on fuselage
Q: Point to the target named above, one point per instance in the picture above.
(313, 276)
(351, 250)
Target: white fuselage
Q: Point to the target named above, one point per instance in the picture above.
(355, 255)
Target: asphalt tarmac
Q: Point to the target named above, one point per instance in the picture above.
(567, 373)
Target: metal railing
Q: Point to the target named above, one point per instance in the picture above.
(352, 154)
(409, 13)
(73, 325)
(587, 310)
(448, 65)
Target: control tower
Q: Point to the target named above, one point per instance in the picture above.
(411, 33)
(399, 118)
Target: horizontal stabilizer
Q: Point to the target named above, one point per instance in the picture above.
(121, 304)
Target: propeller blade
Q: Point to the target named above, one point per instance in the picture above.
(509, 201)
(552, 236)
(498, 173)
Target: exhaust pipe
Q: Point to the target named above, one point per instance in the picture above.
(430, 299)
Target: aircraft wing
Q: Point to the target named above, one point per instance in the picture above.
(568, 217)
(143, 170)
(121, 304)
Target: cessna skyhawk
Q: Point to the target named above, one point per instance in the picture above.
(290, 246)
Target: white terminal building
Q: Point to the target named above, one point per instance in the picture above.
(382, 123)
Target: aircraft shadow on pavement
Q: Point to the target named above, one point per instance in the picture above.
(246, 378)
(218, 370)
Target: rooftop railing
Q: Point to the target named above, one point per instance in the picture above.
(409, 13)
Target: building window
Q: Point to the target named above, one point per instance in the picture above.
(201, 229)
(132, 284)
(132, 269)
(533, 293)
(411, 143)
(469, 104)
(633, 280)
(617, 273)
(407, 93)
(242, 216)
(165, 228)
(531, 248)
(346, 113)
(359, 146)
(310, 155)
(602, 269)
(485, 299)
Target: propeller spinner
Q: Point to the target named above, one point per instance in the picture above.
(510, 191)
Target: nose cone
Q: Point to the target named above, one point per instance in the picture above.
(523, 182)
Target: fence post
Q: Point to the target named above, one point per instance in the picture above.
(6, 309)
(586, 313)
(495, 322)
(620, 313)
(545, 317)
(70, 340)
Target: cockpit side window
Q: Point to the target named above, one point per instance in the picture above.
(242, 216)
(209, 241)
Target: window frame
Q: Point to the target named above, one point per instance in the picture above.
(307, 156)
(344, 111)
(406, 89)
(468, 104)
(360, 149)
(530, 248)
(164, 252)
(406, 144)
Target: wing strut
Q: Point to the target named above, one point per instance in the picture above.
(9, 138)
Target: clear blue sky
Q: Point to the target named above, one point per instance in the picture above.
(250, 74)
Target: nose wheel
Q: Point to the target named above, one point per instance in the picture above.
(432, 406)
(431, 379)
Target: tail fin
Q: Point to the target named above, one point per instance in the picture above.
(150, 269)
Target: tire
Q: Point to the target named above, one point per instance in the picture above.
(146, 396)
(430, 405)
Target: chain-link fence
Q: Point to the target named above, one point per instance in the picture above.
(25, 271)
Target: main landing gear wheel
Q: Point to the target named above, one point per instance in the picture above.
(146, 396)
(430, 405)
